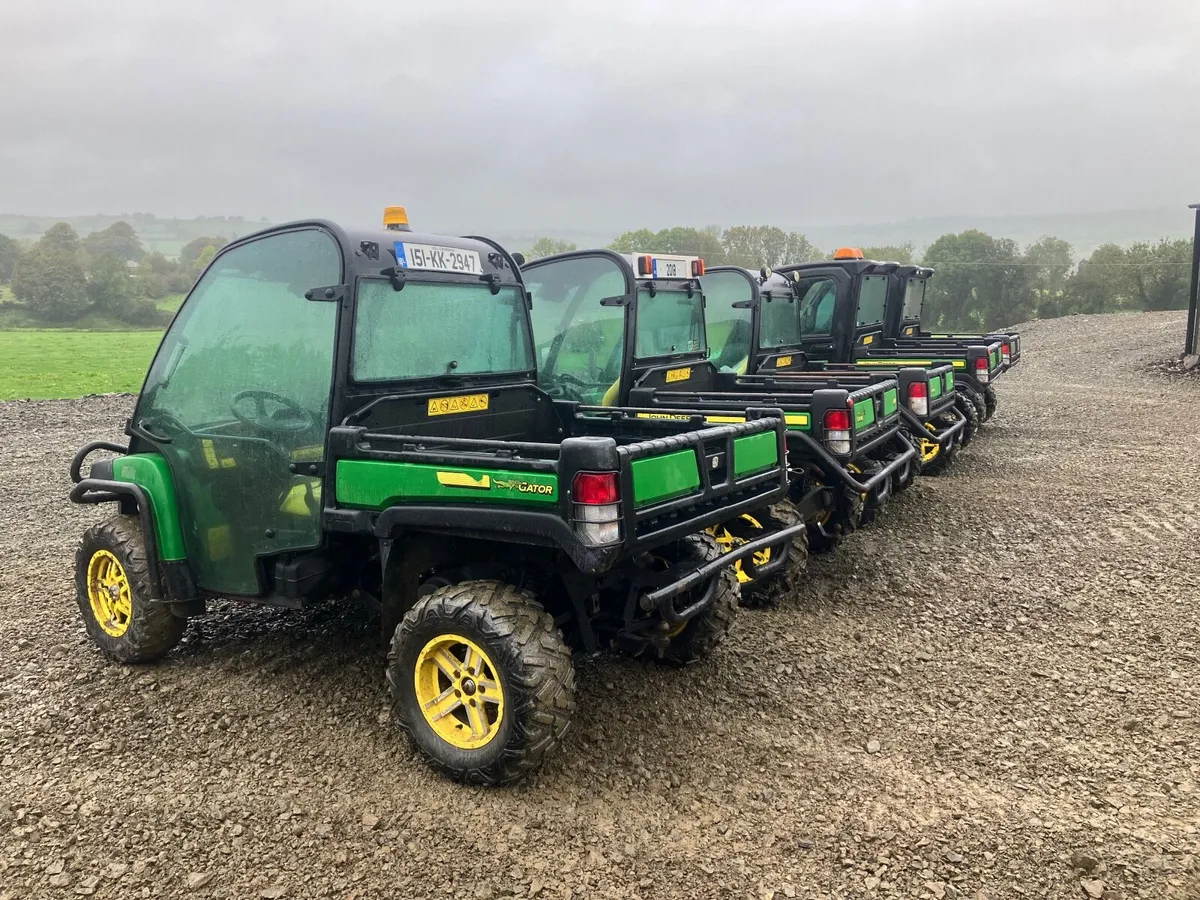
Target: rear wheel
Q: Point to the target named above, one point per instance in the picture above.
(112, 587)
(935, 458)
(756, 592)
(482, 681)
(843, 518)
(976, 398)
(700, 635)
(990, 401)
(966, 406)
(873, 503)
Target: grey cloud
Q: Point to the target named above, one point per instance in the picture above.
(594, 116)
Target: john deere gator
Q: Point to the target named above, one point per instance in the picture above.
(341, 412)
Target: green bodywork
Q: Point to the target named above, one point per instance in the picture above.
(890, 401)
(935, 387)
(864, 413)
(950, 381)
(657, 478)
(755, 453)
(150, 472)
(373, 484)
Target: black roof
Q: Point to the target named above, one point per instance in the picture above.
(861, 267)
(371, 249)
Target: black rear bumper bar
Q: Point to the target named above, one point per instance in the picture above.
(941, 436)
(664, 597)
(905, 453)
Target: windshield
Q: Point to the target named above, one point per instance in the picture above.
(914, 298)
(669, 323)
(728, 327)
(434, 329)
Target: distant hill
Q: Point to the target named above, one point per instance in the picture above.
(1083, 231)
(167, 236)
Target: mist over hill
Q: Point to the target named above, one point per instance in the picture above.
(1084, 231)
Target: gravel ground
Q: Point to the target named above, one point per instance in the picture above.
(990, 693)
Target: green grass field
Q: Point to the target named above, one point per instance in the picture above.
(51, 364)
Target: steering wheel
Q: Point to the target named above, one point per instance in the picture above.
(299, 419)
(573, 387)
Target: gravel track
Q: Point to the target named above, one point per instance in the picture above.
(990, 693)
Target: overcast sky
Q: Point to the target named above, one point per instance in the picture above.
(519, 114)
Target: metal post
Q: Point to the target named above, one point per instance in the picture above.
(1189, 345)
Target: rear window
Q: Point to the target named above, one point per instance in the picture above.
(914, 298)
(433, 329)
(580, 340)
(669, 323)
(780, 320)
(872, 296)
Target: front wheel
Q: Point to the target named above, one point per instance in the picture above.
(112, 587)
(482, 681)
(700, 635)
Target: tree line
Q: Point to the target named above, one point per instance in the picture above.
(61, 277)
(982, 282)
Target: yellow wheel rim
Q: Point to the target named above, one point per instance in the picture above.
(929, 449)
(459, 691)
(727, 540)
(857, 471)
(109, 593)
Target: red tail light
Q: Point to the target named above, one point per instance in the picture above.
(837, 420)
(697, 268)
(1004, 349)
(981, 364)
(918, 398)
(594, 488)
(645, 265)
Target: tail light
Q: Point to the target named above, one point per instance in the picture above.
(597, 508)
(1005, 354)
(981, 369)
(697, 268)
(918, 398)
(837, 431)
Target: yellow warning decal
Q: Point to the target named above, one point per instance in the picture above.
(683, 374)
(462, 479)
(868, 339)
(783, 361)
(796, 418)
(448, 406)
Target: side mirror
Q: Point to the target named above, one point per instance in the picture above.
(519, 259)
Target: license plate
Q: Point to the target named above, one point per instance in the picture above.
(672, 268)
(438, 259)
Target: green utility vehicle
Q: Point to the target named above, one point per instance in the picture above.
(754, 320)
(338, 413)
(902, 326)
(843, 322)
(619, 330)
